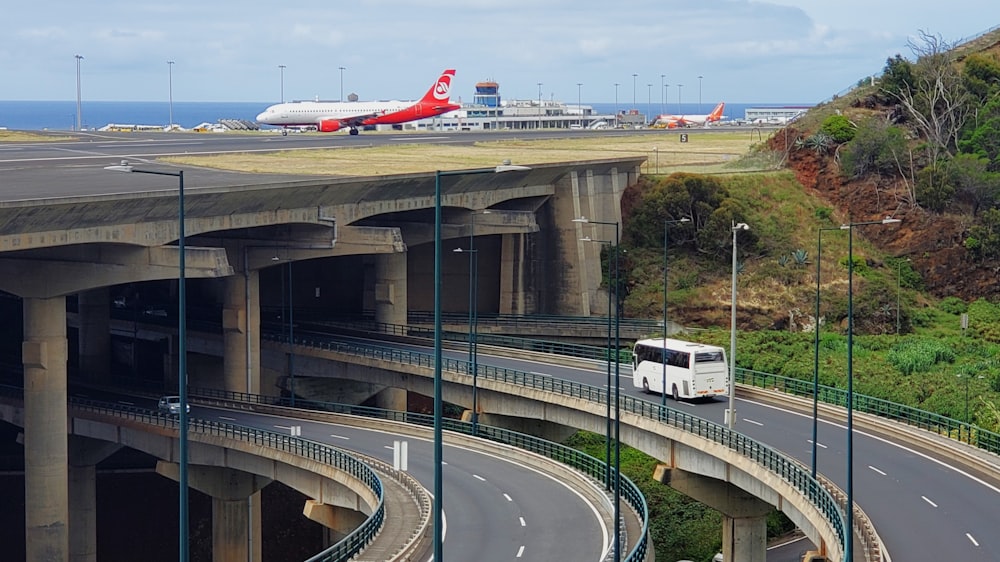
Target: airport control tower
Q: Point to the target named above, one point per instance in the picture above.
(487, 93)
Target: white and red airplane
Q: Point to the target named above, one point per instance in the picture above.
(674, 121)
(329, 116)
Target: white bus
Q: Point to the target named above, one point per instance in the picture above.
(685, 369)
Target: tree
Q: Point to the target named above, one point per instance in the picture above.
(974, 184)
(982, 76)
(935, 96)
(877, 148)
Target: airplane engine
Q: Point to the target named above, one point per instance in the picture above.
(329, 126)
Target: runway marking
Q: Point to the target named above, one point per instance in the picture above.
(510, 499)
(478, 477)
(411, 139)
(227, 418)
(149, 144)
(876, 470)
(520, 551)
(926, 499)
(753, 422)
(971, 538)
(818, 444)
(523, 523)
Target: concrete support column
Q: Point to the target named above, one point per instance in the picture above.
(744, 516)
(549, 431)
(340, 520)
(94, 336)
(241, 333)
(236, 533)
(84, 454)
(46, 472)
(513, 274)
(390, 288)
(391, 399)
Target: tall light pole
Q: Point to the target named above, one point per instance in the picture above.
(679, 110)
(473, 318)
(634, 76)
(614, 292)
(579, 102)
(849, 519)
(815, 404)
(79, 98)
(731, 412)
(281, 70)
(666, 88)
(170, 92)
(342, 69)
(182, 447)
(699, 92)
(899, 276)
(663, 94)
(663, 385)
(649, 97)
(438, 405)
(616, 104)
(539, 105)
(967, 377)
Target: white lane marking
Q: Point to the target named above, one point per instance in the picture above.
(411, 139)
(478, 477)
(927, 457)
(876, 470)
(390, 447)
(283, 426)
(126, 402)
(928, 500)
(345, 438)
(753, 422)
(147, 144)
(971, 538)
(818, 444)
(523, 524)
(520, 551)
(227, 418)
(510, 499)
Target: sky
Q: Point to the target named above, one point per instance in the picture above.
(763, 51)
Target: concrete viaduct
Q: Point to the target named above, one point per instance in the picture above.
(364, 243)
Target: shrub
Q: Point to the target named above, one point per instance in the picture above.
(838, 128)
(919, 355)
(953, 305)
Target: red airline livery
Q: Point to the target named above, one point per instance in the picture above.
(329, 116)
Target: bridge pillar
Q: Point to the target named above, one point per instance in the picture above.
(549, 431)
(84, 454)
(241, 332)
(46, 470)
(94, 335)
(514, 274)
(236, 534)
(744, 516)
(390, 288)
(340, 520)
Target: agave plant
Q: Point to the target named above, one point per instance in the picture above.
(800, 256)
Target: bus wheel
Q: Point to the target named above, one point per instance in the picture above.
(676, 395)
(645, 386)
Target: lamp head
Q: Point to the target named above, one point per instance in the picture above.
(581, 219)
(741, 226)
(890, 220)
(123, 167)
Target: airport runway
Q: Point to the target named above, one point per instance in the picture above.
(39, 170)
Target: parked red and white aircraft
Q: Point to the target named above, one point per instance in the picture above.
(674, 121)
(329, 116)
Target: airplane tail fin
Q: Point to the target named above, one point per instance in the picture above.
(717, 112)
(440, 92)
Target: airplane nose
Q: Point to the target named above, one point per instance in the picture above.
(261, 117)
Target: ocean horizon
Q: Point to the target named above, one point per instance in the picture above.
(61, 115)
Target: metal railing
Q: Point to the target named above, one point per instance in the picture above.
(592, 467)
(791, 471)
(347, 547)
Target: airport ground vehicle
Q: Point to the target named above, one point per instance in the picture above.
(172, 405)
(681, 368)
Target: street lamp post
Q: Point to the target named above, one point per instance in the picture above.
(473, 328)
(614, 291)
(616, 104)
(663, 95)
(438, 405)
(731, 412)
(79, 98)
(281, 70)
(679, 110)
(815, 397)
(539, 105)
(967, 377)
(170, 93)
(342, 69)
(663, 385)
(649, 97)
(899, 276)
(182, 447)
(579, 103)
(699, 92)
(634, 76)
(849, 519)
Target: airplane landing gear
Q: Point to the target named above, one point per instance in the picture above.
(354, 131)
(284, 132)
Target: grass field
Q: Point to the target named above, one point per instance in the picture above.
(24, 136)
(704, 152)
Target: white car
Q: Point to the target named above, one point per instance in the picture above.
(172, 405)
